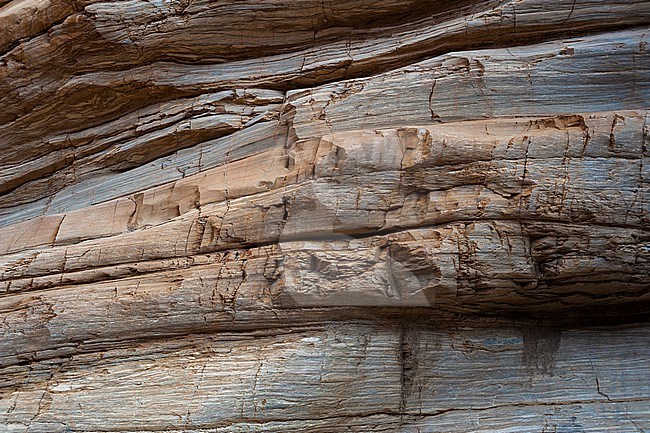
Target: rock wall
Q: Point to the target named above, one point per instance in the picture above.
(399, 216)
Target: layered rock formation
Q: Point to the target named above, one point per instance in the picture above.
(402, 216)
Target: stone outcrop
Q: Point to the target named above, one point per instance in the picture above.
(403, 216)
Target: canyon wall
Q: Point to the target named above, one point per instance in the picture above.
(324, 216)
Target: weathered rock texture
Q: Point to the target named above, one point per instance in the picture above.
(399, 216)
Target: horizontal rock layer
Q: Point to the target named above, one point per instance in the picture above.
(345, 377)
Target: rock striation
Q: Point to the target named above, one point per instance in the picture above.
(399, 216)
